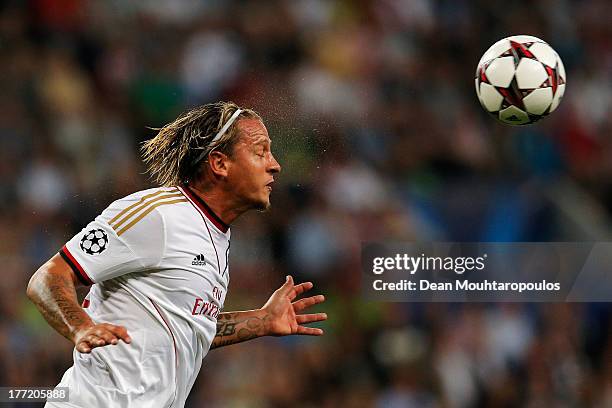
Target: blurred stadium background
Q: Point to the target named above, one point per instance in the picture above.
(372, 109)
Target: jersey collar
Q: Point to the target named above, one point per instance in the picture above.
(204, 208)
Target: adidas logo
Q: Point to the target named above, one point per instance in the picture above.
(199, 260)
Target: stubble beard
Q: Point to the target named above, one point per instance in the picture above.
(263, 206)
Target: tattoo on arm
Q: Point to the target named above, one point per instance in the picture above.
(236, 327)
(56, 299)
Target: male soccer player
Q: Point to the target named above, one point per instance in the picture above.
(157, 263)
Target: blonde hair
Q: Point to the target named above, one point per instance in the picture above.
(172, 155)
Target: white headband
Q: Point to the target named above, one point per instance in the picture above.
(220, 133)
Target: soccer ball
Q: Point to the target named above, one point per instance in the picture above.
(520, 79)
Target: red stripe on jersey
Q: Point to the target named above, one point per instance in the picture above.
(204, 208)
(76, 267)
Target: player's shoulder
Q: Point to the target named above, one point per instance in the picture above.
(142, 208)
(147, 194)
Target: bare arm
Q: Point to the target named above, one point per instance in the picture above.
(236, 327)
(278, 317)
(53, 290)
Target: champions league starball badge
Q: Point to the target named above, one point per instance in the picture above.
(94, 242)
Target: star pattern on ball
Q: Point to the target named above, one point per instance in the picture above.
(94, 242)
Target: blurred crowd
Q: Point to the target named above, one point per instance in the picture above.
(373, 115)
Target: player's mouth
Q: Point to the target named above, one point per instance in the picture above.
(269, 185)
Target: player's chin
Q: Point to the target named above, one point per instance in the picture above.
(263, 204)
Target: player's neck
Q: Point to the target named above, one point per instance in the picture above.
(221, 203)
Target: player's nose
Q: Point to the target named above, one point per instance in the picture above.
(275, 167)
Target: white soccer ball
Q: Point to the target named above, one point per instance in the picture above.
(520, 79)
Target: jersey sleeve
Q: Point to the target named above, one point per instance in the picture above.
(119, 241)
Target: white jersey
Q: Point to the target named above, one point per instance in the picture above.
(158, 263)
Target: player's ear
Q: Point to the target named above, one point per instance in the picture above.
(219, 163)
